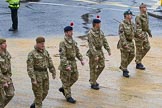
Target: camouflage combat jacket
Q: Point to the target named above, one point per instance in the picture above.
(96, 40)
(39, 61)
(126, 33)
(5, 67)
(68, 50)
(142, 26)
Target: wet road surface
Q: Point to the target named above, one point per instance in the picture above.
(142, 90)
(48, 17)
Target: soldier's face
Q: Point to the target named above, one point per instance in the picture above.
(98, 25)
(41, 45)
(129, 16)
(70, 33)
(3, 46)
(143, 9)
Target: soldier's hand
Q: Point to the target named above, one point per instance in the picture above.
(97, 58)
(68, 68)
(126, 46)
(82, 62)
(5, 85)
(53, 76)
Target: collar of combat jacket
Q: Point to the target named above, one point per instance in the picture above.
(5, 54)
(127, 22)
(96, 33)
(38, 50)
(68, 40)
(143, 15)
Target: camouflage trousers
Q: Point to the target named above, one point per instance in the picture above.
(68, 78)
(142, 47)
(96, 67)
(6, 94)
(41, 89)
(127, 55)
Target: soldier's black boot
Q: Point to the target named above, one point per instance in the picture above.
(11, 29)
(140, 66)
(97, 84)
(32, 105)
(71, 100)
(95, 87)
(126, 73)
(62, 90)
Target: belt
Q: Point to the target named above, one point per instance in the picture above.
(129, 40)
(145, 30)
(40, 69)
(71, 59)
(4, 73)
(98, 48)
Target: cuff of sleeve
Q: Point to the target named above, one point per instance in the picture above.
(81, 59)
(96, 55)
(33, 78)
(4, 81)
(124, 44)
(149, 32)
(53, 71)
(109, 51)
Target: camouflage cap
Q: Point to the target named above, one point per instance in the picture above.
(40, 39)
(2, 41)
(142, 5)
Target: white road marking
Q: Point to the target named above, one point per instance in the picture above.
(76, 6)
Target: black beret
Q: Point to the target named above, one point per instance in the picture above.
(128, 12)
(2, 40)
(40, 39)
(68, 28)
(96, 21)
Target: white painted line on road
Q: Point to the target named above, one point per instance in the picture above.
(119, 4)
(55, 4)
(87, 1)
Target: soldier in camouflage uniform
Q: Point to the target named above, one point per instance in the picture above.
(96, 40)
(68, 68)
(142, 34)
(6, 84)
(126, 43)
(38, 62)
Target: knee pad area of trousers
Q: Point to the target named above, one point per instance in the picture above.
(101, 67)
(45, 93)
(147, 48)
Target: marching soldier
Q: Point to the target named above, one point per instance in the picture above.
(38, 63)
(126, 43)
(69, 51)
(142, 33)
(96, 40)
(6, 84)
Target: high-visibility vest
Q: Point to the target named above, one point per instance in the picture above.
(14, 3)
